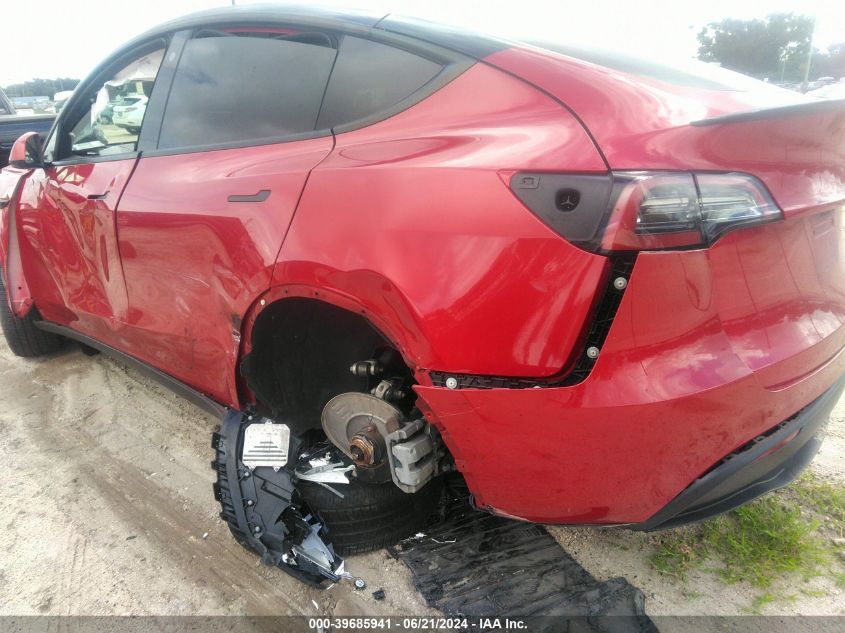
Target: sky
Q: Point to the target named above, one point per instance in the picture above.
(53, 38)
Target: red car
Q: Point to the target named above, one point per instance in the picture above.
(605, 291)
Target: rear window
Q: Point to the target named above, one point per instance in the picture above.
(686, 73)
(371, 78)
(241, 89)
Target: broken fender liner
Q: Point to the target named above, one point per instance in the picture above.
(261, 510)
(476, 564)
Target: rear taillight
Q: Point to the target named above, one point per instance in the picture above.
(646, 210)
(731, 201)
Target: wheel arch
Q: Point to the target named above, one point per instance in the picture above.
(313, 309)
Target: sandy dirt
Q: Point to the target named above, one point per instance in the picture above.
(107, 509)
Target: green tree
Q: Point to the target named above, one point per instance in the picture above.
(774, 47)
(41, 87)
(830, 63)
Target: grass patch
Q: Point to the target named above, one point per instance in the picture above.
(761, 541)
(761, 601)
(822, 498)
(793, 533)
(678, 551)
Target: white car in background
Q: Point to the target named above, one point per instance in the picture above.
(129, 112)
(831, 91)
(60, 98)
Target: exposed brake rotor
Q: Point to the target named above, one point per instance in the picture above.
(382, 443)
(357, 424)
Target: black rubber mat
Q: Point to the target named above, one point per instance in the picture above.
(471, 563)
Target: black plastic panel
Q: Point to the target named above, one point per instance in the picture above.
(797, 109)
(476, 564)
(574, 205)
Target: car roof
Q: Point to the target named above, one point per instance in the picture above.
(456, 39)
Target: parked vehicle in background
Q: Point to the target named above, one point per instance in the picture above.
(830, 91)
(607, 291)
(128, 113)
(33, 105)
(13, 124)
(60, 98)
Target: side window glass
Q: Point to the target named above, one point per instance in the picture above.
(370, 78)
(50, 148)
(112, 124)
(246, 88)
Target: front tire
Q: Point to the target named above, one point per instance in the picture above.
(24, 339)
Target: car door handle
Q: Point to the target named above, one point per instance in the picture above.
(98, 196)
(4, 202)
(261, 196)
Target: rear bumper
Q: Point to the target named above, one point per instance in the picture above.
(126, 119)
(767, 463)
(697, 364)
(579, 456)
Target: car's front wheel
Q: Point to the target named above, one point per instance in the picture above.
(23, 338)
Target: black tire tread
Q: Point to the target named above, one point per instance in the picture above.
(370, 516)
(24, 339)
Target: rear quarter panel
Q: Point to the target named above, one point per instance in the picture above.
(414, 219)
(642, 123)
(709, 348)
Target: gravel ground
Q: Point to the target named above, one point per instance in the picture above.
(108, 510)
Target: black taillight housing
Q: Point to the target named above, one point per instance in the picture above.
(645, 210)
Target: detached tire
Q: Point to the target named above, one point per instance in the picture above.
(370, 516)
(23, 337)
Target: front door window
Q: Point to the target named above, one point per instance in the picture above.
(111, 125)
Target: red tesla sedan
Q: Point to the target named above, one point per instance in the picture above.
(605, 291)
